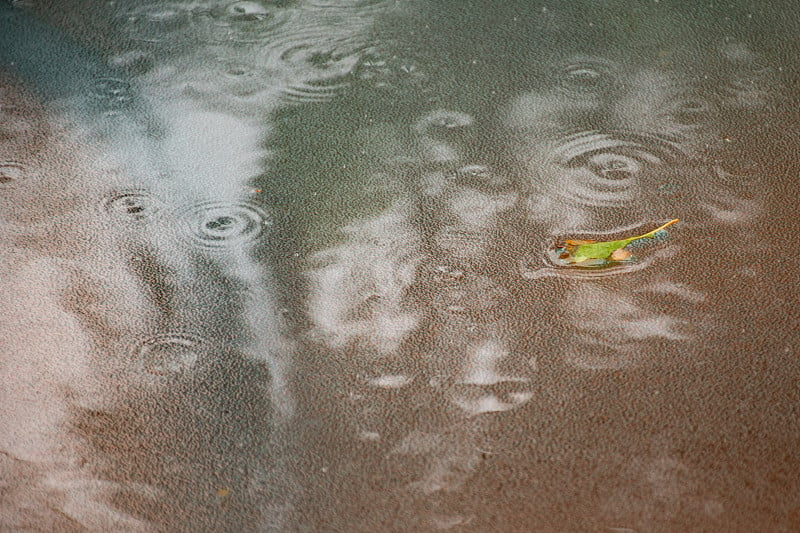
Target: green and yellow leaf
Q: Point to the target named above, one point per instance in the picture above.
(580, 251)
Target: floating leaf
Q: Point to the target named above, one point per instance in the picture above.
(588, 251)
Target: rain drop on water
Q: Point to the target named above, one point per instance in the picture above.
(603, 169)
(247, 11)
(135, 206)
(319, 69)
(112, 93)
(245, 22)
(482, 178)
(444, 273)
(156, 22)
(614, 166)
(443, 120)
(391, 73)
(133, 62)
(168, 354)
(223, 224)
(360, 5)
(10, 173)
(693, 111)
(585, 76)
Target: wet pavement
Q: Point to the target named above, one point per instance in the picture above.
(289, 266)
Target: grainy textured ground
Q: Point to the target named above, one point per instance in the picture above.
(288, 266)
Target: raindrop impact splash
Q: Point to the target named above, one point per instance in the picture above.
(132, 206)
(112, 93)
(585, 76)
(246, 11)
(320, 67)
(604, 169)
(359, 5)
(386, 72)
(157, 22)
(443, 120)
(692, 110)
(169, 354)
(482, 178)
(245, 22)
(223, 224)
(443, 273)
(11, 172)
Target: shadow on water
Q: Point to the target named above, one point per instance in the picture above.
(289, 266)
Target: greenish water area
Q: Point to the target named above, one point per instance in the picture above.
(321, 265)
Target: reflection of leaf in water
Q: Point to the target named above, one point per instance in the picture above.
(591, 252)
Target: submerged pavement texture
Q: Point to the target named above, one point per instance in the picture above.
(290, 266)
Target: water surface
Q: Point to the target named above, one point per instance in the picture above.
(288, 266)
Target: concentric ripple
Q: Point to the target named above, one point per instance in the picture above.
(223, 224)
(443, 272)
(646, 147)
(386, 71)
(246, 10)
(312, 92)
(585, 75)
(245, 22)
(238, 79)
(362, 6)
(748, 92)
(169, 354)
(112, 93)
(603, 167)
(320, 68)
(11, 172)
(133, 206)
(693, 110)
(442, 120)
(158, 22)
(481, 177)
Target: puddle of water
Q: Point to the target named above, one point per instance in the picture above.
(274, 263)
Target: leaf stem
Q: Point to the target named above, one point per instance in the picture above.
(650, 234)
